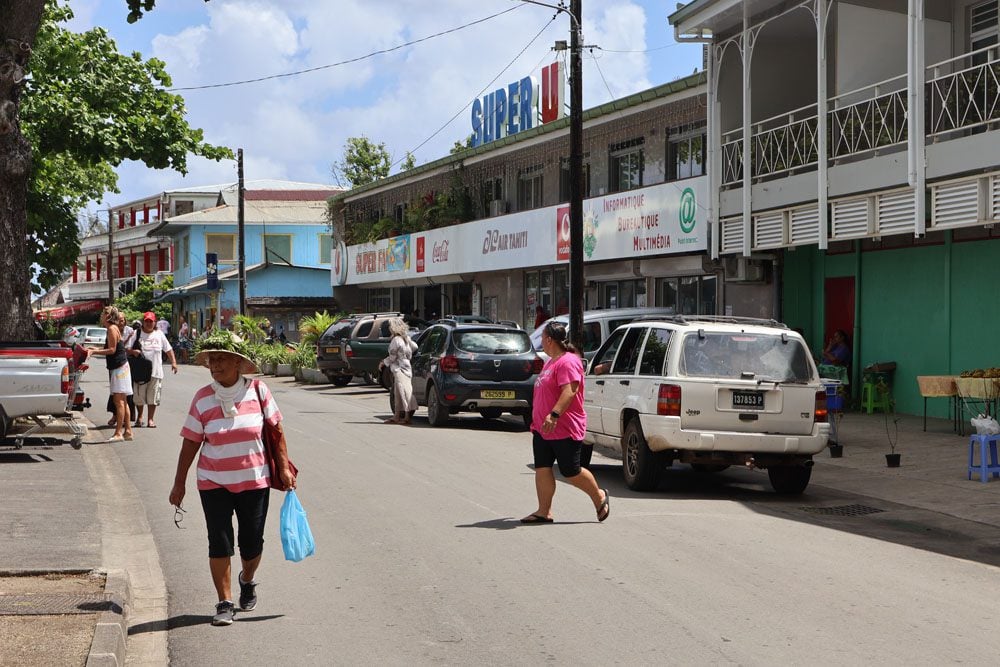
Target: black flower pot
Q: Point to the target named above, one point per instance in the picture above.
(836, 450)
(892, 460)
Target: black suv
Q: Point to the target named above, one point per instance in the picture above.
(330, 353)
(484, 368)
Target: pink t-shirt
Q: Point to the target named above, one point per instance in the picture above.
(572, 423)
(232, 452)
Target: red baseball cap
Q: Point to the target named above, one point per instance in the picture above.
(149, 315)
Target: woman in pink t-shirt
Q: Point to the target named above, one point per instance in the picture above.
(558, 426)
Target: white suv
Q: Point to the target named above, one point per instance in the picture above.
(711, 392)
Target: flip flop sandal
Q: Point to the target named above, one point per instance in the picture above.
(604, 511)
(116, 438)
(537, 518)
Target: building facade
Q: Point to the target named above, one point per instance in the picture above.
(859, 141)
(485, 230)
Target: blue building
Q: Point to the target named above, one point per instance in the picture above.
(287, 256)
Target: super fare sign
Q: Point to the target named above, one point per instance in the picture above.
(658, 220)
(514, 108)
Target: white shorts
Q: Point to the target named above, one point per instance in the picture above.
(147, 393)
(121, 380)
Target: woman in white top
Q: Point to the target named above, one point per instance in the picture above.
(401, 349)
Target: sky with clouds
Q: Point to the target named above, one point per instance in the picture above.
(295, 127)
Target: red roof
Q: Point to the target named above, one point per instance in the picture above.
(289, 195)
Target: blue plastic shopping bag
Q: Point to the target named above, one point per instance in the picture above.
(296, 538)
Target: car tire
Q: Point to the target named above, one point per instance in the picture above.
(641, 467)
(789, 480)
(340, 380)
(490, 413)
(437, 414)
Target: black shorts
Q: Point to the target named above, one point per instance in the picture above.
(566, 451)
(250, 508)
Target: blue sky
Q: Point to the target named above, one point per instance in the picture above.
(295, 127)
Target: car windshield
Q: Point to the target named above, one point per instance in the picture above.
(536, 335)
(492, 342)
(748, 356)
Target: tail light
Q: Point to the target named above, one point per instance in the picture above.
(64, 385)
(668, 401)
(821, 412)
(537, 365)
(449, 364)
(348, 351)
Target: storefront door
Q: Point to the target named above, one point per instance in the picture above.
(839, 308)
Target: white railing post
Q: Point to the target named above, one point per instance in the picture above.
(747, 40)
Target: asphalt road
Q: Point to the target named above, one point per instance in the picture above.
(420, 559)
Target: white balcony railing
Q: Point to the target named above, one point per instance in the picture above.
(872, 119)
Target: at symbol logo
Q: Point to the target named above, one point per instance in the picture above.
(688, 208)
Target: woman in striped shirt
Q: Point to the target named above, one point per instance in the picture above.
(225, 422)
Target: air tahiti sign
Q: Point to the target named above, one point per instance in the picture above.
(515, 107)
(658, 220)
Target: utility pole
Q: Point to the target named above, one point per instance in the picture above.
(111, 247)
(576, 295)
(242, 239)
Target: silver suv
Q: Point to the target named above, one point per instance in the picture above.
(711, 392)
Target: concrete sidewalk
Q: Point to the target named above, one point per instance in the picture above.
(55, 520)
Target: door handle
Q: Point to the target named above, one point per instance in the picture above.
(598, 381)
(625, 382)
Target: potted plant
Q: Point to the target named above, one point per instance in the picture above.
(283, 362)
(892, 458)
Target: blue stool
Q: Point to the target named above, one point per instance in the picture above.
(981, 442)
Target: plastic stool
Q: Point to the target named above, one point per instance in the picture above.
(873, 398)
(984, 469)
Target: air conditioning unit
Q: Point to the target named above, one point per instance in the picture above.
(498, 207)
(743, 270)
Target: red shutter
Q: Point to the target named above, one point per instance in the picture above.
(121, 220)
(161, 261)
(131, 217)
(132, 264)
(145, 259)
(145, 213)
(88, 270)
(98, 268)
(75, 273)
(121, 266)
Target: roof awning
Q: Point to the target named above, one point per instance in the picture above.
(66, 310)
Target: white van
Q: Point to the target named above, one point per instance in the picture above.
(598, 325)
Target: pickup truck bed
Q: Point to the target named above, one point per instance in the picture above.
(38, 379)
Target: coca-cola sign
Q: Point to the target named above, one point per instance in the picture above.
(439, 253)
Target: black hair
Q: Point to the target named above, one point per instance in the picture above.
(560, 336)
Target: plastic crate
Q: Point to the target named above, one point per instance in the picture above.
(834, 399)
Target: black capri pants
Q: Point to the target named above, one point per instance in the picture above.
(565, 450)
(250, 508)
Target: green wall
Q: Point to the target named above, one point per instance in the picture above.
(934, 310)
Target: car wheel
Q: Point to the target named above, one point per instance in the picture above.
(708, 467)
(789, 480)
(437, 414)
(491, 413)
(340, 380)
(640, 465)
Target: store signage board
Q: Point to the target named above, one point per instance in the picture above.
(518, 106)
(664, 219)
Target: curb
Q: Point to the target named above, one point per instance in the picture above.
(111, 631)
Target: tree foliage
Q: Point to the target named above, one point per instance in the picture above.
(140, 300)
(364, 162)
(409, 162)
(87, 108)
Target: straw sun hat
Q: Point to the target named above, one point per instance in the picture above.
(228, 342)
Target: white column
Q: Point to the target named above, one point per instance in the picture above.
(822, 149)
(714, 152)
(746, 42)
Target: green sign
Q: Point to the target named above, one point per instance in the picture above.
(688, 208)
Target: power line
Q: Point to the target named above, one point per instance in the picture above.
(349, 61)
(484, 89)
(656, 48)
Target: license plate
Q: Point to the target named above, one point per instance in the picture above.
(333, 350)
(495, 393)
(748, 399)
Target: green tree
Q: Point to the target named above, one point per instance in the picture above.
(409, 162)
(140, 300)
(71, 109)
(459, 146)
(364, 162)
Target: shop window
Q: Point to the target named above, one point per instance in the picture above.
(625, 166)
(686, 156)
(690, 295)
(223, 245)
(529, 188)
(378, 300)
(623, 294)
(324, 248)
(278, 248)
(493, 200)
(548, 289)
(183, 206)
(186, 250)
(564, 178)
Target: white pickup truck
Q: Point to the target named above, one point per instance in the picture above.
(38, 380)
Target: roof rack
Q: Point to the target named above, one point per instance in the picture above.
(729, 319)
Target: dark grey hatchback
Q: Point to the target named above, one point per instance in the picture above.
(484, 368)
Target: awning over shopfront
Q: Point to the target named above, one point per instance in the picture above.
(71, 309)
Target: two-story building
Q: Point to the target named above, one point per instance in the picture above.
(486, 230)
(859, 140)
(286, 248)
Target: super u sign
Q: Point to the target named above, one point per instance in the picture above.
(516, 107)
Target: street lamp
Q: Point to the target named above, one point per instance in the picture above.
(575, 168)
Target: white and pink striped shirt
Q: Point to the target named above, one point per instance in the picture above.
(232, 452)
